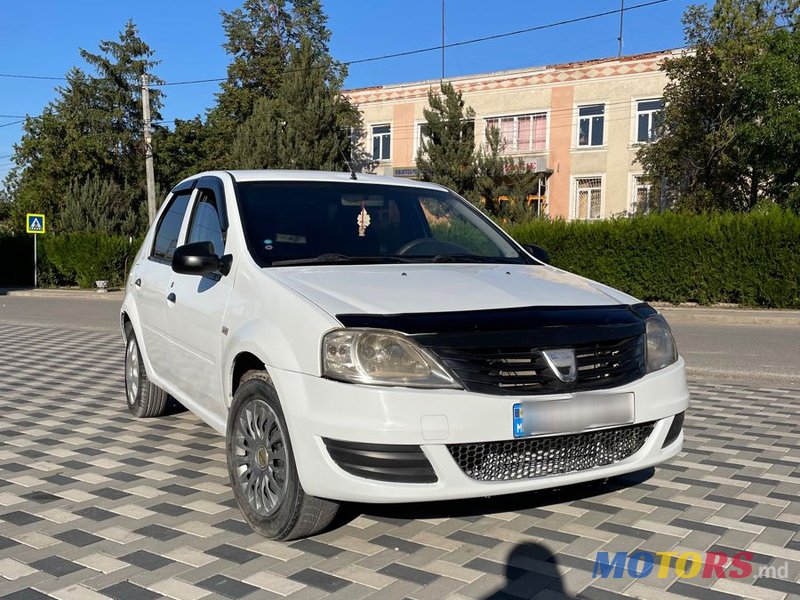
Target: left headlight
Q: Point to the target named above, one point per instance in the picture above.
(661, 350)
(380, 357)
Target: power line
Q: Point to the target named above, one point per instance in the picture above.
(12, 123)
(42, 77)
(498, 36)
(382, 57)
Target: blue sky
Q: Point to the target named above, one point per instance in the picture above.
(42, 37)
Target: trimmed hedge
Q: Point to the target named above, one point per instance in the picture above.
(751, 259)
(86, 257)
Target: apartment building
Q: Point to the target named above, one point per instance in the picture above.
(579, 124)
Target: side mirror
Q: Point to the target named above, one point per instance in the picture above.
(537, 252)
(198, 258)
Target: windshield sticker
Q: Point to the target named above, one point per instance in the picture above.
(363, 220)
(286, 238)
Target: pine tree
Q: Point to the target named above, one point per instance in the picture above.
(92, 129)
(447, 153)
(261, 37)
(306, 125)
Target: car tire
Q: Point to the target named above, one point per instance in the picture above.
(144, 398)
(262, 469)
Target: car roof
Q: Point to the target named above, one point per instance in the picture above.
(331, 176)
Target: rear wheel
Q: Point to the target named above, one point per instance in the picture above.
(262, 468)
(144, 398)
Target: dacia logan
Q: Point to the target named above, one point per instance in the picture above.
(372, 339)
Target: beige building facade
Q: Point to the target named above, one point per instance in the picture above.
(580, 124)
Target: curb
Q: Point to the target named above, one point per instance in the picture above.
(736, 316)
(116, 295)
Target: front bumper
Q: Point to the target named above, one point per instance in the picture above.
(317, 409)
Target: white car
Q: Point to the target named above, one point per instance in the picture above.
(372, 339)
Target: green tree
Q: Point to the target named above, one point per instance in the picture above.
(731, 132)
(447, 153)
(100, 206)
(180, 152)
(92, 129)
(306, 125)
(499, 175)
(261, 36)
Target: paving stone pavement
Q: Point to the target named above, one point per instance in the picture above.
(97, 504)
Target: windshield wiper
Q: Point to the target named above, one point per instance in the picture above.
(336, 258)
(468, 258)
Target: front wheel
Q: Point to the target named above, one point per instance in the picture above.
(262, 469)
(144, 398)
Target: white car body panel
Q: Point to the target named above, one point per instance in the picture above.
(446, 287)
(280, 314)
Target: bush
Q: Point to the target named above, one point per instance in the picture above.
(749, 259)
(84, 258)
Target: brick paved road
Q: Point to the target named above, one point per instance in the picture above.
(94, 504)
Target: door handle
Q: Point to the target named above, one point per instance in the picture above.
(171, 298)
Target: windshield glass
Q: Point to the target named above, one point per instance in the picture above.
(292, 222)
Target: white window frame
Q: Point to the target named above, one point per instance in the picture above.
(372, 140)
(577, 122)
(633, 195)
(573, 204)
(513, 149)
(636, 112)
(418, 137)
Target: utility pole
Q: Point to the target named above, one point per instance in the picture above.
(621, 18)
(148, 151)
(442, 41)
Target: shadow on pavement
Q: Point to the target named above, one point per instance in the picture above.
(476, 507)
(530, 569)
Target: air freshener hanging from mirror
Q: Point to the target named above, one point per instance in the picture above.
(363, 220)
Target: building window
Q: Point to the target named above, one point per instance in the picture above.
(381, 142)
(588, 194)
(421, 136)
(522, 133)
(591, 120)
(642, 194)
(649, 120)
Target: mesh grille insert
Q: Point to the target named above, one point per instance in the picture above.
(543, 456)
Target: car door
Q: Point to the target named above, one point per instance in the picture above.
(197, 306)
(152, 279)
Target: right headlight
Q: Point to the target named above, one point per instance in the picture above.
(381, 357)
(660, 349)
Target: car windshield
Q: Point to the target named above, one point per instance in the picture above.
(295, 223)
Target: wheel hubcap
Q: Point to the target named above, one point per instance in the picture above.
(259, 454)
(132, 371)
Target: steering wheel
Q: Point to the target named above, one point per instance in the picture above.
(431, 247)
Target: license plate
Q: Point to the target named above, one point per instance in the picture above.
(582, 412)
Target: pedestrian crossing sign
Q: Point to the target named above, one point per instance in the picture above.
(34, 223)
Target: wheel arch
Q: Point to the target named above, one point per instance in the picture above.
(242, 363)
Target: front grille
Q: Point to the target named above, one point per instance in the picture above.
(554, 455)
(523, 370)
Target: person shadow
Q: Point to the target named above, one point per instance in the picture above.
(530, 570)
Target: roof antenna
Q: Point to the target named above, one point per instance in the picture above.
(349, 163)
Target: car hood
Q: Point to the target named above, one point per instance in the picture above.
(415, 288)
